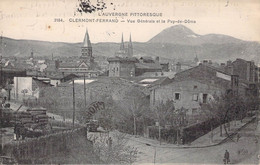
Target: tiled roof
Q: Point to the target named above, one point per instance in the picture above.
(149, 82)
(109, 86)
(122, 59)
(204, 73)
(158, 74)
(69, 65)
(148, 65)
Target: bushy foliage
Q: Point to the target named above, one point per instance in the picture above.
(114, 150)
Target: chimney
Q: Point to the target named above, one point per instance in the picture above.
(157, 58)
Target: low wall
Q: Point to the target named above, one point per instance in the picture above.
(187, 134)
(37, 150)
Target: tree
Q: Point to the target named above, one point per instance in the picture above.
(134, 107)
(225, 108)
(165, 113)
(114, 149)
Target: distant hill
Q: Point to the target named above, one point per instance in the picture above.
(176, 42)
(182, 35)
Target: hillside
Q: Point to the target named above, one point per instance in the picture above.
(182, 35)
(176, 42)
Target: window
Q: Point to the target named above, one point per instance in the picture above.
(205, 98)
(177, 96)
(195, 97)
(195, 87)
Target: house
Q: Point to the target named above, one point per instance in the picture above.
(247, 70)
(150, 82)
(131, 67)
(27, 87)
(7, 75)
(148, 64)
(59, 78)
(122, 66)
(195, 87)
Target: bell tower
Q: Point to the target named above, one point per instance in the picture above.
(86, 51)
(122, 45)
(130, 47)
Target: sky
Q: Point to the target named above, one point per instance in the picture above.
(35, 19)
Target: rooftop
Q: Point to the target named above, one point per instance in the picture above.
(122, 59)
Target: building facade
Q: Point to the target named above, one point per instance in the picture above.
(122, 67)
(195, 87)
(123, 64)
(246, 70)
(126, 50)
(85, 65)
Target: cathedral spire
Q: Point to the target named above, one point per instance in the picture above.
(130, 46)
(122, 46)
(130, 40)
(86, 42)
(86, 51)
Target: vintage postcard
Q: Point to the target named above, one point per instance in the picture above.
(129, 81)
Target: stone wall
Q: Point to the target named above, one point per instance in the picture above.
(46, 148)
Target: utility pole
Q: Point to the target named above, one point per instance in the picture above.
(1, 136)
(73, 95)
(160, 133)
(1, 53)
(154, 158)
(159, 130)
(1, 141)
(85, 99)
(1, 80)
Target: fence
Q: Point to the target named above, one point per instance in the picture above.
(187, 134)
(37, 149)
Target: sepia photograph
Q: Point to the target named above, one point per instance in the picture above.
(130, 82)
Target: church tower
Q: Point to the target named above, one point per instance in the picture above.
(86, 51)
(130, 47)
(122, 45)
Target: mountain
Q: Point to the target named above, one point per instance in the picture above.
(182, 35)
(181, 42)
(176, 42)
